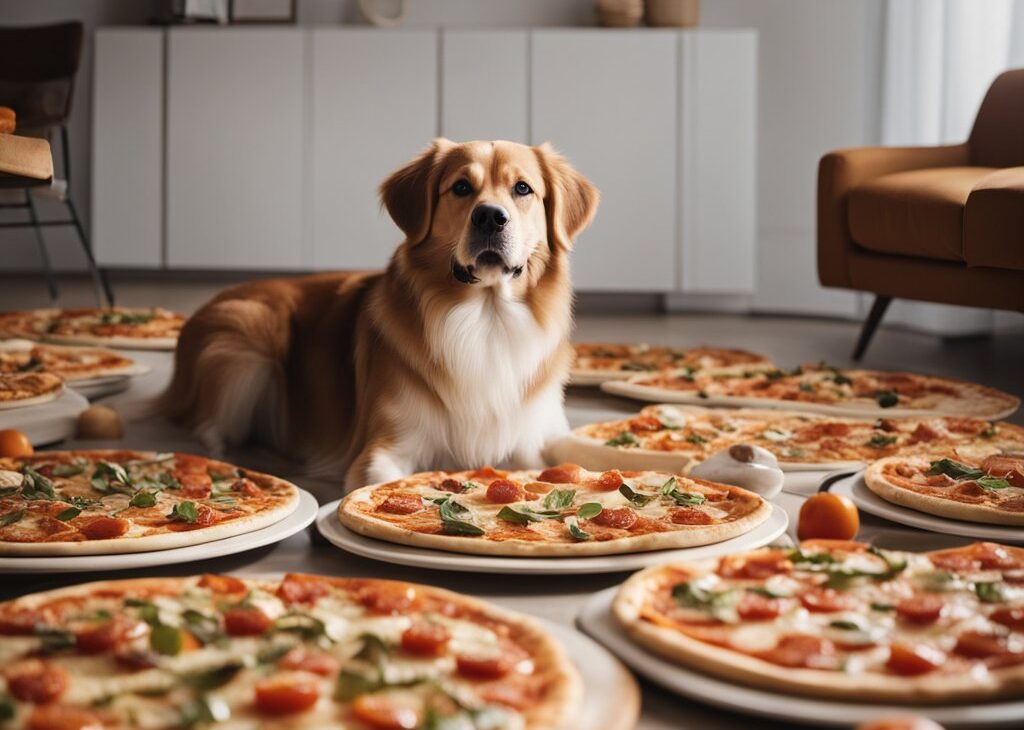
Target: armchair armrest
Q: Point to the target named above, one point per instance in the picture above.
(841, 171)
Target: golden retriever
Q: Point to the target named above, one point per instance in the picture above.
(454, 357)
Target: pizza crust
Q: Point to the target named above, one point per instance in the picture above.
(876, 481)
(585, 378)
(118, 342)
(51, 395)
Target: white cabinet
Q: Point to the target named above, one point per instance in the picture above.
(374, 102)
(235, 182)
(484, 85)
(127, 147)
(607, 100)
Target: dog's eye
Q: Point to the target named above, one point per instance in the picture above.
(462, 188)
(522, 188)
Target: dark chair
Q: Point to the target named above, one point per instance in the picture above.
(37, 77)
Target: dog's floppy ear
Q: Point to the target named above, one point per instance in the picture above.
(570, 201)
(410, 193)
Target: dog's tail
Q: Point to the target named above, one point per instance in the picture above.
(228, 379)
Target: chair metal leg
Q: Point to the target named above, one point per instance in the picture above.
(51, 282)
(878, 308)
(99, 277)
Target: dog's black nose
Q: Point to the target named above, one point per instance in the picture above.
(489, 218)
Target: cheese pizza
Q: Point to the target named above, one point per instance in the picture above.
(150, 328)
(989, 490)
(561, 511)
(596, 363)
(103, 502)
(71, 364)
(18, 390)
(673, 437)
(823, 389)
(299, 652)
(841, 621)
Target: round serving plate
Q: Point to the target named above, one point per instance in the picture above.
(94, 388)
(856, 489)
(297, 521)
(47, 423)
(340, 536)
(597, 621)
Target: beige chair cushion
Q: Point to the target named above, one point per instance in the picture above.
(916, 213)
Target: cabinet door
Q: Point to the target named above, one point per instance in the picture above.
(127, 147)
(374, 97)
(234, 148)
(484, 85)
(607, 100)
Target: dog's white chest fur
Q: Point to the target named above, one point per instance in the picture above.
(491, 348)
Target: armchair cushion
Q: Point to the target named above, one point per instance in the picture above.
(914, 213)
(994, 221)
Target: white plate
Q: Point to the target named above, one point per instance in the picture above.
(94, 388)
(855, 488)
(596, 620)
(47, 423)
(340, 536)
(297, 521)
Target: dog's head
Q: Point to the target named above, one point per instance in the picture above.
(488, 211)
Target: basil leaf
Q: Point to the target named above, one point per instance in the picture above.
(880, 441)
(526, 515)
(9, 491)
(887, 398)
(54, 639)
(882, 607)
(165, 640)
(992, 482)
(184, 512)
(112, 472)
(669, 486)
(302, 624)
(11, 517)
(211, 678)
(142, 499)
(844, 625)
(590, 510)
(7, 708)
(988, 433)
(203, 711)
(800, 558)
(36, 486)
(559, 499)
(203, 627)
(351, 684)
(33, 365)
(572, 523)
(840, 379)
(456, 519)
(469, 486)
(69, 514)
(687, 499)
(625, 439)
(989, 592)
(373, 650)
(148, 611)
(696, 438)
(954, 469)
(637, 499)
(68, 470)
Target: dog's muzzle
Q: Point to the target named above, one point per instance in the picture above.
(465, 273)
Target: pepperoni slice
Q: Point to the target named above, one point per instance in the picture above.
(826, 600)
(913, 661)
(609, 481)
(504, 491)
(922, 609)
(800, 650)
(63, 717)
(387, 597)
(490, 666)
(756, 607)
(222, 583)
(976, 645)
(451, 485)
(309, 660)
(247, 487)
(690, 516)
(38, 681)
(561, 474)
(297, 588)
(401, 504)
(243, 621)
(487, 472)
(621, 518)
(285, 695)
(107, 635)
(101, 527)
(425, 638)
(196, 486)
(923, 433)
(381, 712)
(760, 565)
(20, 623)
(1011, 617)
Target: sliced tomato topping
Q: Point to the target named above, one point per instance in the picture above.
(690, 516)
(425, 638)
(401, 504)
(923, 608)
(609, 481)
(923, 433)
(621, 518)
(451, 485)
(285, 695)
(37, 681)
(756, 607)
(298, 588)
(63, 717)
(489, 666)
(20, 623)
(243, 621)
(1011, 617)
(826, 600)
(504, 491)
(247, 487)
(912, 661)
(976, 645)
(387, 597)
(381, 712)
(108, 635)
(800, 650)
(759, 565)
(309, 660)
(196, 486)
(101, 527)
(487, 472)
(561, 474)
(642, 424)
(222, 583)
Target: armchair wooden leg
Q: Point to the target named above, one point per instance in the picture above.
(878, 308)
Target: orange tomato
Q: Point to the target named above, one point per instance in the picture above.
(383, 713)
(829, 516)
(14, 443)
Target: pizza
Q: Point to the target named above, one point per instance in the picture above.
(560, 511)
(150, 328)
(989, 490)
(597, 363)
(823, 389)
(673, 437)
(301, 651)
(841, 621)
(18, 390)
(103, 502)
(71, 364)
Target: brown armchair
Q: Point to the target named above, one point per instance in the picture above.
(935, 224)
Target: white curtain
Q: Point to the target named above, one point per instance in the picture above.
(940, 58)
